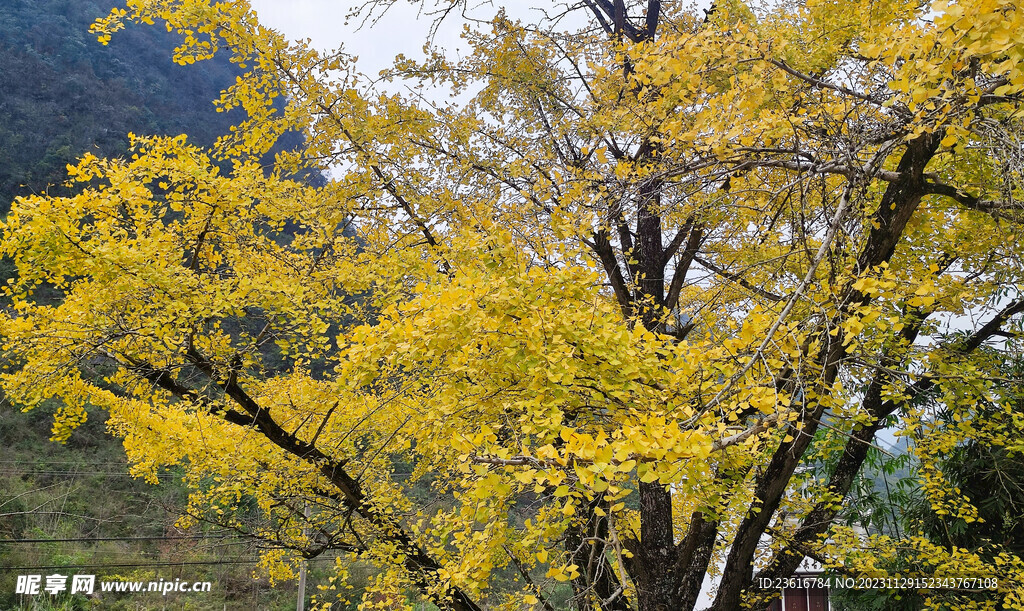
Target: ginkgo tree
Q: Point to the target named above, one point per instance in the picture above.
(635, 306)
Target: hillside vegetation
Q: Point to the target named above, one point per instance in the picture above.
(64, 95)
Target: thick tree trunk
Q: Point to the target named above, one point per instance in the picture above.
(655, 555)
(693, 557)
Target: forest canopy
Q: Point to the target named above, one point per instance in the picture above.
(632, 309)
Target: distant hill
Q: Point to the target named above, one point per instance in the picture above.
(63, 93)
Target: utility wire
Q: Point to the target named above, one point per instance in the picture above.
(54, 567)
(89, 540)
(128, 566)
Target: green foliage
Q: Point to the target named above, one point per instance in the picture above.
(988, 472)
(991, 474)
(82, 490)
(65, 95)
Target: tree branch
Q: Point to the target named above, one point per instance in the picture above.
(740, 280)
(972, 202)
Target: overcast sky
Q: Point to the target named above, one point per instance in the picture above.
(402, 29)
(323, 21)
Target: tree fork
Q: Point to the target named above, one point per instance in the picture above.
(897, 205)
(856, 450)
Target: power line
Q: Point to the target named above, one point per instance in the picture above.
(63, 462)
(9, 472)
(91, 539)
(54, 567)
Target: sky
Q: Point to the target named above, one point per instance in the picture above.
(404, 28)
(400, 30)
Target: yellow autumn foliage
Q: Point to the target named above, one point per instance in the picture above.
(633, 313)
